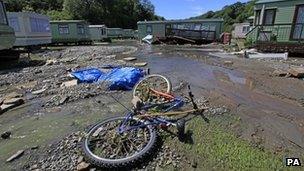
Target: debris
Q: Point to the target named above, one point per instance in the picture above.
(83, 166)
(13, 95)
(5, 107)
(228, 62)
(63, 100)
(297, 72)
(69, 83)
(148, 39)
(141, 64)
(38, 91)
(14, 101)
(267, 56)
(80, 159)
(15, 156)
(184, 39)
(28, 85)
(130, 59)
(279, 73)
(6, 135)
(51, 62)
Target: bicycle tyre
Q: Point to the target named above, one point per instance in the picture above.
(117, 163)
(168, 82)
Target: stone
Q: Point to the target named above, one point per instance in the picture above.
(15, 156)
(13, 95)
(51, 62)
(83, 166)
(28, 85)
(37, 92)
(297, 72)
(141, 64)
(63, 100)
(279, 73)
(15, 101)
(130, 59)
(6, 107)
(69, 83)
(80, 159)
(6, 135)
(228, 62)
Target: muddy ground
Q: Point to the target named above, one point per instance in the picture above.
(256, 118)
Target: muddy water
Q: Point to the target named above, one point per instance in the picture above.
(281, 121)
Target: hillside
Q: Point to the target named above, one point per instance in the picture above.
(235, 13)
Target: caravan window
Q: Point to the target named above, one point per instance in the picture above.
(149, 29)
(257, 17)
(2, 14)
(63, 29)
(269, 17)
(39, 25)
(246, 29)
(13, 22)
(80, 29)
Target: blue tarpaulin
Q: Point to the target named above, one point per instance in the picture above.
(117, 79)
(87, 75)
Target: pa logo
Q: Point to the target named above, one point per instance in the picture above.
(293, 162)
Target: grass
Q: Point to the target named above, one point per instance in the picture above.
(215, 147)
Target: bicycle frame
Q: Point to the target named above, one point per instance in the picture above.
(176, 103)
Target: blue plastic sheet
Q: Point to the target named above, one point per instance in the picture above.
(122, 78)
(87, 75)
(117, 79)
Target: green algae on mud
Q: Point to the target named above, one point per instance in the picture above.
(215, 146)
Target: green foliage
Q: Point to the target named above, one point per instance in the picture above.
(235, 13)
(113, 13)
(59, 15)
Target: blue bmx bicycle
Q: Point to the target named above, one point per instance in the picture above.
(122, 141)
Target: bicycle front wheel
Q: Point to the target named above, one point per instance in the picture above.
(105, 147)
(156, 82)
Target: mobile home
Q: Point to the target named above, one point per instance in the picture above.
(279, 24)
(205, 29)
(98, 32)
(7, 35)
(128, 33)
(115, 32)
(70, 31)
(31, 29)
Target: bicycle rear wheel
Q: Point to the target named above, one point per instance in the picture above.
(155, 82)
(105, 147)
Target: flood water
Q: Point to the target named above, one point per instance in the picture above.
(281, 118)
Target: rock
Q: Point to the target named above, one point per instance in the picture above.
(15, 101)
(34, 167)
(80, 159)
(228, 62)
(130, 59)
(13, 95)
(6, 107)
(194, 163)
(279, 73)
(141, 64)
(83, 166)
(297, 72)
(69, 83)
(51, 62)
(37, 92)
(15, 156)
(63, 100)
(28, 85)
(1, 101)
(6, 135)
